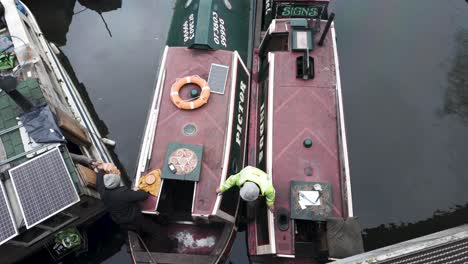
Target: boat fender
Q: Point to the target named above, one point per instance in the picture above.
(108, 142)
(54, 48)
(190, 104)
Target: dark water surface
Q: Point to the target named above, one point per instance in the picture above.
(404, 69)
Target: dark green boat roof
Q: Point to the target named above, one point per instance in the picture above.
(213, 24)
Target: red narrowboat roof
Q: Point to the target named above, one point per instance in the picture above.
(304, 110)
(211, 122)
(297, 110)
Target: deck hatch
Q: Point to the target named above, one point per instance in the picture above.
(7, 226)
(186, 159)
(217, 78)
(302, 39)
(43, 187)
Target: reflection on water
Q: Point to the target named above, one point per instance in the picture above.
(456, 98)
(100, 124)
(56, 14)
(398, 69)
(100, 7)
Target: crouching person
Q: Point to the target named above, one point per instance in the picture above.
(121, 202)
(252, 182)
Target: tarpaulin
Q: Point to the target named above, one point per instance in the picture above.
(41, 125)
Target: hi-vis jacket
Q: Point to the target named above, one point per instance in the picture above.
(254, 175)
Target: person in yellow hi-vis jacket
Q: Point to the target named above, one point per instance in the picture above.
(252, 182)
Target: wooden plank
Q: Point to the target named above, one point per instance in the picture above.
(73, 130)
(87, 175)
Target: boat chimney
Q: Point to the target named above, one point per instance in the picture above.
(8, 84)
(326, 29)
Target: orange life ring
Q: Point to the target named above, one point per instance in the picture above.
(189, 105)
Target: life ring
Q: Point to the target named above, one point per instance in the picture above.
(190, 105)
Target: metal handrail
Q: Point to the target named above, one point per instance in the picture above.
(146, 248)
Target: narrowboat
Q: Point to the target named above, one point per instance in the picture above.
(196, 132)
(47, 140)
(298, 137)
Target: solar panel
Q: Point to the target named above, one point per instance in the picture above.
(44, 187)
(217, 78)
(7, 223)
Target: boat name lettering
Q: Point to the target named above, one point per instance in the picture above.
(188, 28)
(219, 30)
(240, 115)
(261, 141)
(289, 11)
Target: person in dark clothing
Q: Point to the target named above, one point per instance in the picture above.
(121, 202)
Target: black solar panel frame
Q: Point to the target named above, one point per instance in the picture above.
(5, 215)
(51, 192)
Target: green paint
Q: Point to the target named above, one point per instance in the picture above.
(72, 170)
(209, 24)
(239, 131)
(289, 11)
(308, 10)
(262, 124)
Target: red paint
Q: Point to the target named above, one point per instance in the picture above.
(211, 121)
(303, 109)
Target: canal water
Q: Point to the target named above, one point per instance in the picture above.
(404, 69)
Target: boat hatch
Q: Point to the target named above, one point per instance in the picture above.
(289, 35)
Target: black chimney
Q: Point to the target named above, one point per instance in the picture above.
(327, 27)
(8, 84)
